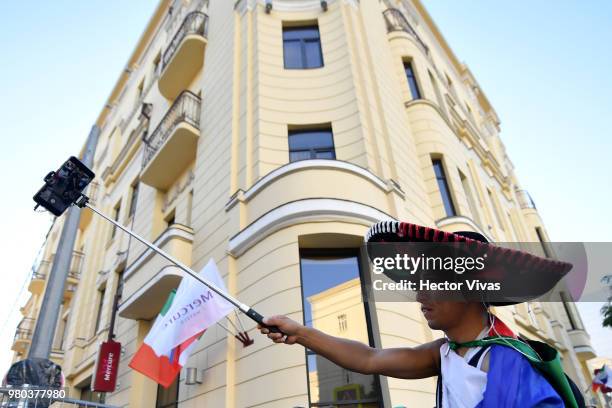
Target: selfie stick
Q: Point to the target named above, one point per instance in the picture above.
(83, 201)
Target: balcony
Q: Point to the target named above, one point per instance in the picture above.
(184, 56)
(525, 200)
(39, 276)
(37, 282)
(149, 279)
(23, 335)
(76, 267)
(582, 344)
(396, 22)
(172, 145)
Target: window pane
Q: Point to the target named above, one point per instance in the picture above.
(300, 33)
(412, 82)
(325, 154)
(447, 199)
(312, 51)
(310, 139)
(324, 279)
(302, 47)
(292, 52)
(299, 155)
(311, 144)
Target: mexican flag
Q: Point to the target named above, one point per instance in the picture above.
(187, 313)
(603, 380)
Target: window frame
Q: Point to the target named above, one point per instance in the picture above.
(100, 307)
(116, 217)
(412, 79)
(134, 191)
(444, 179)
(302, 45)
(367, 310)
(313, 150)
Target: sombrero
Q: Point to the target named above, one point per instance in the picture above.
(523, 276)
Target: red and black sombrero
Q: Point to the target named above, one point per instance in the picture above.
(528, 276)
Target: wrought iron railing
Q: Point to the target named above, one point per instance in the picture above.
(195, 23)
(42, 271)
(396, 21)
(186, 108)
(524, 199)
(25, 328)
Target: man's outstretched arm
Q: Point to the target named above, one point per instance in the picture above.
(417, 362)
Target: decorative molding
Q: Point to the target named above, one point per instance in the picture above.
(302, 211)
(442, 222)
(289, 5)
(165, 271)
(242, 196)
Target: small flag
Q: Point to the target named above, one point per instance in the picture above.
(603, 380)
(187, 313)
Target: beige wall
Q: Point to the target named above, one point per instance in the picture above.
(240, 201)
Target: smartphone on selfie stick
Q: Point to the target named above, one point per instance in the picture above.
(64, 188)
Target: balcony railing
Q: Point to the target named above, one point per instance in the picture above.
(25, 328)
(186, 108)
(397, 22)
(76, 265)
(525, 200)
(42, 271)
(195, 23)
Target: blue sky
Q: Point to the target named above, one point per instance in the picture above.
(545, 66)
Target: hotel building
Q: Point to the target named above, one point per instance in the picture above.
(268, 136)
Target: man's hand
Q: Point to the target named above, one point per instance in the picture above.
(290, 329)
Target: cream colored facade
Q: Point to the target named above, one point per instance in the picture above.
(209, 159)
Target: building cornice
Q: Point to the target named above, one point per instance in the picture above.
(175, 231)
(288, 5)
(303, 211)
(289, 168)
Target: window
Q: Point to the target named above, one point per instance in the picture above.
(302, 47)
(168, 397)
(436, 88)
(447, 199)
(116, 213)
(170, 218)
(88, 395)
(495, 209)
(140, 91)
(412, 81)
(116, 299)
(156, 62)
(342, 325)
(133, 199)
(311, 144)
(540, 235)
(329, 275)
(470, 198)
(451, 87)
(101, 293)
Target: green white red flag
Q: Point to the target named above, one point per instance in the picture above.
(187, 313)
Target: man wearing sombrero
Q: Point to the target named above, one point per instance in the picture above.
(480, 362)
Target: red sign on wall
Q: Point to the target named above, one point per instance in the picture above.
(107, 366)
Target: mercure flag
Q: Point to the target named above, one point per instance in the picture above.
(183, 319)
(603, 379)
